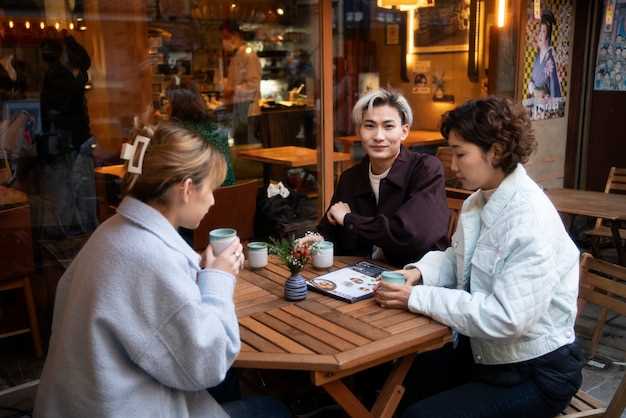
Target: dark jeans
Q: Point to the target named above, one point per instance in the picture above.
(257, 407)
(228, 390)
(481, 400)
(447, 384)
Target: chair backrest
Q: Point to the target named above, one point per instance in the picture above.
(604, 284)
(16, 242)
(234, 207)
(455, 206)
(445, 156)
(615, 183)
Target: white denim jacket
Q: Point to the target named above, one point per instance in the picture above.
(522, 268)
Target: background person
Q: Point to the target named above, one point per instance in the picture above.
(392, 204)
(65, 148)
(242, 86)
(508, 285)
(187, 108)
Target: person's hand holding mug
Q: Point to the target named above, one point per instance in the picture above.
(394, 295)
(230, 260)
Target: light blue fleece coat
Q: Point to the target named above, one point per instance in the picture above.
(139, 330)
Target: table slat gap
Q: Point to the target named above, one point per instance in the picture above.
(322, 335)
(296, 334)
(393, 344)
(324, 324)
(352, 324)
(278, 339)
(258, 301)
(406, 325)
(358, 305)
(257, 342)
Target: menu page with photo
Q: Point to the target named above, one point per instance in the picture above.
(351, 283)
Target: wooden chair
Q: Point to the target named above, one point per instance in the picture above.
(234, 208)
(445, 156)
(455, 203)
(616, 183)
(455, 206)
(17, 265)
(603, 284)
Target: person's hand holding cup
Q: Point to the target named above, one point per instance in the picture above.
(394, 290)
(224, 251)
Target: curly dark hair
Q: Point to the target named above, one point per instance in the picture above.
(494, 121)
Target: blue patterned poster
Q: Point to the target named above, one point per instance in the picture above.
(611, 57)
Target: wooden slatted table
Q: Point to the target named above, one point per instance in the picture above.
(329, 338)
(288, 156)
(609, 206)
(415, 138)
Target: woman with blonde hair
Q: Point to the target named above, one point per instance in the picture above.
(142, 323)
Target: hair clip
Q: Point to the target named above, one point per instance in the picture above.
(133, 153)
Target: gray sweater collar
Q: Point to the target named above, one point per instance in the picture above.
(152, 220)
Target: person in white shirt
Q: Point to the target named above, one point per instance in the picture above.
(507, 286)
(242, 86)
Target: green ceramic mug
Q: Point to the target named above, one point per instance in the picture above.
(393, 277)
(221, 238)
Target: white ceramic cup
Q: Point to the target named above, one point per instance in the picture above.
(257, 255)
(323, 254)
(221, 238)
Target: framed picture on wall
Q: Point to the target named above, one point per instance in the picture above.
(443, 27)
(392, 34)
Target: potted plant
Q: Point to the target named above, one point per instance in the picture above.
(295, 254)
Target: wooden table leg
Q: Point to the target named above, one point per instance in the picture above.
(32, 317)
(387, 401)
(346, 399)
(617, 241)
(393, 390)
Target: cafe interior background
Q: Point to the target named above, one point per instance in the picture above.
(316, 58)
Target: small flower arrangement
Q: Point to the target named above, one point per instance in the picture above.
(295, 253)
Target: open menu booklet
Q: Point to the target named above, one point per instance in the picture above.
(351, 283)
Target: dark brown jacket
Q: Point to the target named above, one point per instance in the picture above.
(410, 219)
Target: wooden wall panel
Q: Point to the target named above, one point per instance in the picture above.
(117, 41)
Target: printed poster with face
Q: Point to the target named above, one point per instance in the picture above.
(611, 59)
(546, 59)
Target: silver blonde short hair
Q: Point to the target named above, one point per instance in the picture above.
(382, 97)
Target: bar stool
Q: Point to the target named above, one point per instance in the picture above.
(16, 260)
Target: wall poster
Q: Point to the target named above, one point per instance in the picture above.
(546, 59)
(611, 57)
(443, 27)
